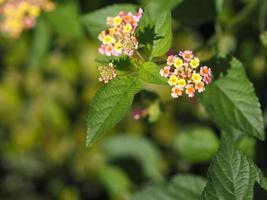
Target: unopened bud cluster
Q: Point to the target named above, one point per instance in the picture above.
(106, 73)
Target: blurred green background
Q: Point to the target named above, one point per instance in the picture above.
(49, 75)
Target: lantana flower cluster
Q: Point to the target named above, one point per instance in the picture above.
(120, 38)
(184, 76)
(17, 15)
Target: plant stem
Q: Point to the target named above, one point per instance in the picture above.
(242, 15)
(140, 56)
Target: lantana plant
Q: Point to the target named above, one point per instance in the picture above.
(134, 44)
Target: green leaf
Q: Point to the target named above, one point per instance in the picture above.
(95, 21)
(152, 193)
(149, 73)
(195, 145)
(65, 20)
(247, 146)
(159, 22)
(109, 105)
(231, 174)
(108, 174)
(129, 146)
(185, 187)
(195, 12)
(40, 44)
(232, 103)
(261, 180)
(168, 5)
(182, 187)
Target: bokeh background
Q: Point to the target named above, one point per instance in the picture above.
(48, 77)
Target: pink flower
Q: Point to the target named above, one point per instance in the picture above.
(165, 72)
(170, 59)
(176, 91)
(187, 55)
(205, 71)
(190, 90)
(29, 22)
(101, 49)
(200, 87)
(108, 50)
(137, 114)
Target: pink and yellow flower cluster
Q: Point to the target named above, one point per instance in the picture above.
(17, 15)
(120, 38)
(181, 70)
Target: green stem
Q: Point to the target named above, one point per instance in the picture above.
(262, 16)
(140, 56)
(242, 15)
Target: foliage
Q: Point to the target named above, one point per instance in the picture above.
(141, 143)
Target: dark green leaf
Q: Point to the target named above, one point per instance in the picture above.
(65, 20)
(196, 145)
(185, 187)
(157, 23)
(109, 105)
(108, 174)
(247, 146)
(95, 21)
(152, 193)
(168, 5)
(195, 12)
(125, 146)
(231, 174)
(40, 43)
(149, 73)
(182, 187)
(232, 103)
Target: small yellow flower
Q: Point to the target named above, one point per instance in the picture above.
(117, 20)
(178, 62)
(173, 80)
(111, 31)
(181, 82)
(107, 39)
(127, 28)
(118, 47)
(194, 63)
(196, 77)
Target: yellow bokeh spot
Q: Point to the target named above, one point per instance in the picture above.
(178, 62)
(117, 20)
(48, 5)
(34, 11)
(173, 80)
(181, 82)
(196, 78)
(194, 63)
